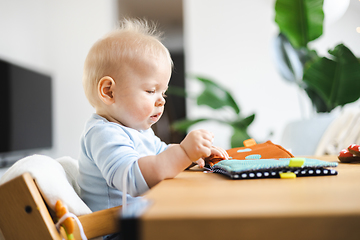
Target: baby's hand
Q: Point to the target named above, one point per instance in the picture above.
(197, 144)
(217, 154)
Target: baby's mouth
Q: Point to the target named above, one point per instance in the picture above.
(155, 116)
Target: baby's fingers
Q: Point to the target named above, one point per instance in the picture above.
(216, 151)
(224, 152)
(201, 163)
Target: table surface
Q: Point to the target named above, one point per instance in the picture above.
(199, 205)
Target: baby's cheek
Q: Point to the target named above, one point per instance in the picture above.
(143, 111)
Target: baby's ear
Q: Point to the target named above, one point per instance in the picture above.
(105, 90)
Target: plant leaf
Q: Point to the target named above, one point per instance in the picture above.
(300, 20)
(317, 101)
(238, 137)
(336, 80)
(290, 61)
(243, 123)
(183, 125)
(216, 96)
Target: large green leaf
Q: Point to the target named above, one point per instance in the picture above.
(336, 80)
(317, 101)
(300, 20)
(216, 96)
(238, 137)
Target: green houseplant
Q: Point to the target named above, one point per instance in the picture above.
(328, 81)
(217, 98)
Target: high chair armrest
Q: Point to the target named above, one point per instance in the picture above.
(99, 223)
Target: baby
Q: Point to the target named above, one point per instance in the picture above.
(126, 75)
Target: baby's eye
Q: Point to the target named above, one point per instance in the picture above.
(150, 91)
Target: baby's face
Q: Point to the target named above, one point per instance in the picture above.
(140, 92)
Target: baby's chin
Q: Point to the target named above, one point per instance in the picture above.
(143, 128)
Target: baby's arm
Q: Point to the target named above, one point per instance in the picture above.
(167, 164)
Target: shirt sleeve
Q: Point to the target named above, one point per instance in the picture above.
(112, 151)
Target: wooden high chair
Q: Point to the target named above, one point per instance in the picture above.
(24, 215)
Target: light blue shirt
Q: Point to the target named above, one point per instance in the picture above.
(107, 148)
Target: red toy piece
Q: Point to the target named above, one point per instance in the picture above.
(348, 155)
(354, 149)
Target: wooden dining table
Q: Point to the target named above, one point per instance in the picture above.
(203, 205)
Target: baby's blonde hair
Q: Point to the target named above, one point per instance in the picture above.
(133, 38)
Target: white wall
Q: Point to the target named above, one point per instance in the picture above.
(231, 42)
(54, 37)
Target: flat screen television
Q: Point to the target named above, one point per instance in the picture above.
(25, 110)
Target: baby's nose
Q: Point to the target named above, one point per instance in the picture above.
(160, 102)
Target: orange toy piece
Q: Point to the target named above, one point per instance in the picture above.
(253, 151)
(68, 224)
(249, 142)
(266, 150)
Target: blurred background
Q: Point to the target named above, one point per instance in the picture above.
(229, 41)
